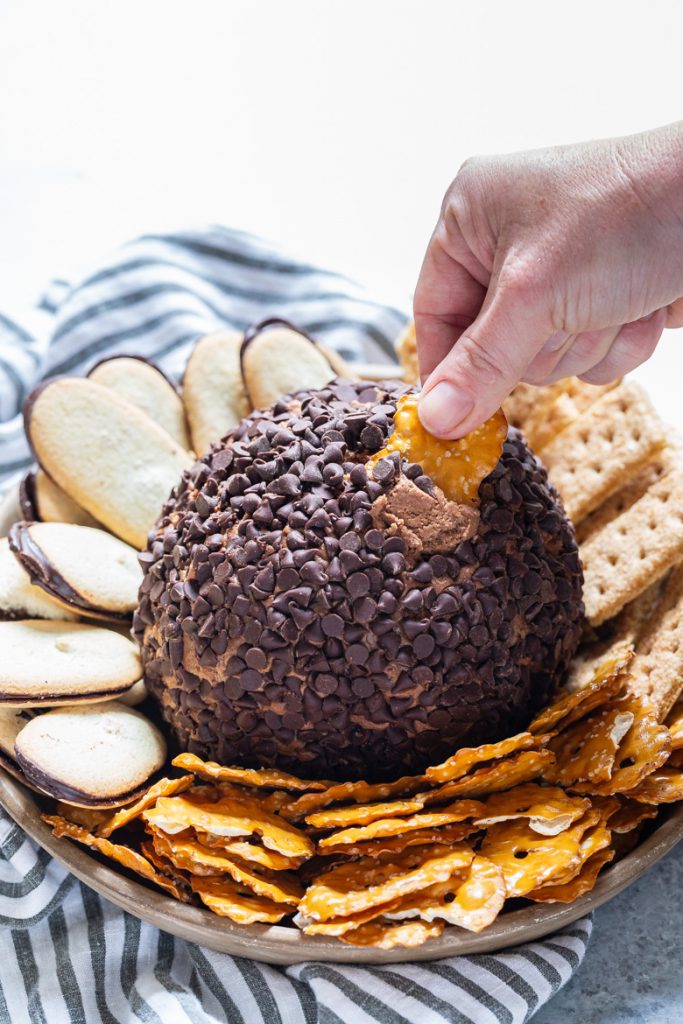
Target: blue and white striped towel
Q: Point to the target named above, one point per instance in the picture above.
(69, 955)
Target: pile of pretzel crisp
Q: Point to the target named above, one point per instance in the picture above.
(535, 816)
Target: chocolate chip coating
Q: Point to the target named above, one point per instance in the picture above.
(281, 624)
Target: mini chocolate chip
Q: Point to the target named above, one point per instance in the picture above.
(357, 654)
(423, 573)
(358, 476)
(333, 625)
(233, 689)
(374, 540)
(333, 474)
(423, 646)
(385, 471)
(325, 684)
(358, 584)
(393, 563)
(250, 679)
(214, 595)
(256, 659)
(371, 437)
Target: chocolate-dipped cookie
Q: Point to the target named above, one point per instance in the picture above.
(144, 385)
(107, 455)
(12, 721)
(19, 598)
(87, 571)
(41, 500)
(300, 610)
(48, 663)
(97, 756)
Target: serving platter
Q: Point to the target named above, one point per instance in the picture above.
(275, 944)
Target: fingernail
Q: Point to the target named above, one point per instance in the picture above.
(443, 408)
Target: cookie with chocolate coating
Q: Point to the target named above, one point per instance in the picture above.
(48, 663)
(107, 454)
(12, 721)
(144, 385)
(213, 390)
(41, 500)
(96, 756)
(85, 570)
(19, 598)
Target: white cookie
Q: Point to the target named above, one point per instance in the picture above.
(93, 756)
(48, 663)
(19, 598)
(10, 507)
(43, 501)
(143, 384)
(135, 695)
(12, 721)
(86, 570)
(105, 453)
(213, 390)
(278, 360)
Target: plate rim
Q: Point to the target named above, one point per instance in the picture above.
(275, 944)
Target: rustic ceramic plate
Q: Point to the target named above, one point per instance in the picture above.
(278, 945)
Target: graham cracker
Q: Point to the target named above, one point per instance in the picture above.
(613, 439)
(657, 669)
(541, 412)
(661, 463)
(406, 349)
(634, 550)
(623, 637)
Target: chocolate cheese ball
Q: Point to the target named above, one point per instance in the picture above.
(300, 611)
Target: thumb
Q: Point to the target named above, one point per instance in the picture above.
(484, 365)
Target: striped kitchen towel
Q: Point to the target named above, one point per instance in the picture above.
(67, 954)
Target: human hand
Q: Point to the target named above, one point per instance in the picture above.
(547, 264)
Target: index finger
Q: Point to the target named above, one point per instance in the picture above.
(447, 300)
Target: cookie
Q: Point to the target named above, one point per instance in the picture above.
(48, 663)
(10, 508)
(12, 721)
(86, 570)
(98, 756)
(19, 598)
(213, 391)
(143, 384)
(41, 500)
(105, 453)
(133, 696)
(278, 359)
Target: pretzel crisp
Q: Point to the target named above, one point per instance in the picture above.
(229, 818)
(353, 886)
(467, 757)
(123, 855)
(471, 899)
(245, 776)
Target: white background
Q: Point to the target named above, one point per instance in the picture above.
(331, 127)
